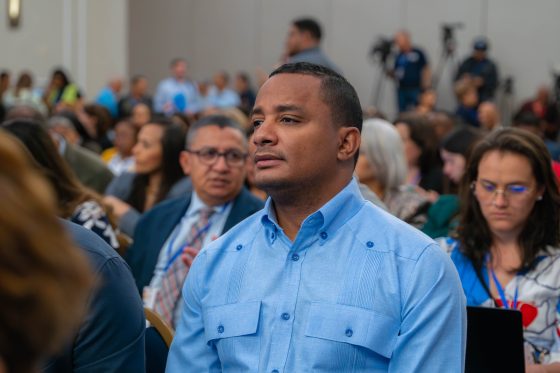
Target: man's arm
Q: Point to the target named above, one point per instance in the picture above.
(434, 326)
(189, 351)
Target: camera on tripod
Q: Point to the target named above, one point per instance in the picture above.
(381, 50)
(448, 36)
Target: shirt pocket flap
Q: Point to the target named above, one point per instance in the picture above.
(231, 320)
(353, 325)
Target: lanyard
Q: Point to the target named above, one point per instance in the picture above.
(502, 293)
(180, 249)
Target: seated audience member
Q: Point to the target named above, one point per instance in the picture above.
(546, 110)
(97, 122)
(177, 93)
(75, 202)
(528, 121)
(215, 159)
(5, 83)
(245, 91)
(421, 153)
(382, 168)
(66, 124)
(46, 281)
(23, 94)
(427, 102)
(88, 167)
(220, 96)
(488, 116)
(61, 93)
(138, 95)
(442, 122)
(108, 96)
(141, 114)
(157, 174)
(506, 250)
(455, 150)
(119, 159)
(319, 280)
(467, 96)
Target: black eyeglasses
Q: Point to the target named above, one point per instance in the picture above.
(209, 156)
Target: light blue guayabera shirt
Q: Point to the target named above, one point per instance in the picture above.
(357, 291)
(182, 96)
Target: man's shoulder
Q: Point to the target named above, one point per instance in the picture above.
(97, 250)
(166, 208)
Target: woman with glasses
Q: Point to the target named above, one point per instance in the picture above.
(157, 174)
(506, 249)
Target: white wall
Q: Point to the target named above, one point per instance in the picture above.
(246, 34)
(89, 38)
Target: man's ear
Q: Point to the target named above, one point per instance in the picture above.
(349, 143)
(185, 160)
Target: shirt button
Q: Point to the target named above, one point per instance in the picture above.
(220, 329)
(275, 371)
(324, 235)
(349, 332)
(295, 257)
(369, 244)
(286, 316)
(239, 247)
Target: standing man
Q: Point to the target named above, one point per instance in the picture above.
(176, 94)
(411, 72)
(320, 279)
(481, 70)
(303, 44)
(215, 159)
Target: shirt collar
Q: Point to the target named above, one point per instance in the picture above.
(197, 205)
(329, 218)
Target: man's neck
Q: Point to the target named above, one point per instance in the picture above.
(294, 206)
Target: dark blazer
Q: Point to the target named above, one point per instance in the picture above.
(156, 225)
(111, 337)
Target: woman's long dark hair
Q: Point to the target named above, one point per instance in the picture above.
(473, 232)
(69, 191)
(172, 143)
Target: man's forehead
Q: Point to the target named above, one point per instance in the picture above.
(214, 135)
(289, 84)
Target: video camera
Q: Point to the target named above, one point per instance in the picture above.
(448, 36)
(382, 49)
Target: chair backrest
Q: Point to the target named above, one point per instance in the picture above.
(158, 339)
(165, 331)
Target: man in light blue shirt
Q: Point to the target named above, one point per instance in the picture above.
(320, 280)
(176, 94)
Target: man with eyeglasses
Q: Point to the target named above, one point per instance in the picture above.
(169, 236)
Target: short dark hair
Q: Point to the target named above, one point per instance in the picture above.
(336, 92)
(309, 25)
(474, 233)
(175, 61)
(136, 78)
(219, 120)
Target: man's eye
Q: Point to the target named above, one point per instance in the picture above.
(288, 120)
(208, 152)
(234, 155)
(257, 122)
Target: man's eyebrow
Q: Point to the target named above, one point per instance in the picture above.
(278, 109)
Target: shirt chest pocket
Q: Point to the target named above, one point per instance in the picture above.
(353, 326)
(232, 328)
